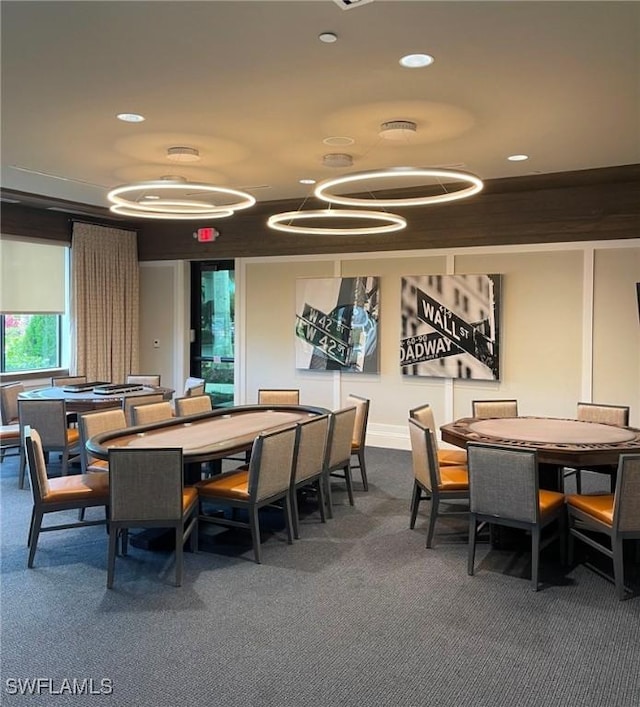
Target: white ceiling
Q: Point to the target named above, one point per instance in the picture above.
(253, 89)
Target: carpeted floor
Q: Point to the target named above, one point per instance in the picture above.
(355, 613)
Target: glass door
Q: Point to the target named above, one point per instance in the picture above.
(213, 290)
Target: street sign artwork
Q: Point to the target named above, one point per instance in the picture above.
(451, 326)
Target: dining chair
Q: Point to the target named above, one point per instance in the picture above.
(146, 490)
(193, 387)
(149, 413)
(432, 482)
(10, 437)
(309, 465)
(359, 439)
(75, 492)
(604, 414)
(494, 408)
(94, 423)
(151, 380)
(340, 437)
(265, 481)
(613, 516)
(446, 457)
(49, 417)
(129, 401)
(278, 396)
(192, 405)
(503, 490)
(62, 381)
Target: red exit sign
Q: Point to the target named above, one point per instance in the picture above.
(206, 235)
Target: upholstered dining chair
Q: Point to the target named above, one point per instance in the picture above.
(149, 379)
(9, 439)
(194, 386)
(91, 424)
(446, 457)
(341, 425)
(278, 396)
(432, 482)
(265, 481)
(494, 408)
(503, 490)
(146, 491)
(359, 435)
(604, 414)
(62, 381)
(309, 466)
(49, 417)
(130, 401)
(149, 413)
(613, 516)
(192, 405)
(75, 492)
(9, 393)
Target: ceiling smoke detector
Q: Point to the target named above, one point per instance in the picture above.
(348, 4)
(183, 154)
(337, 159)
(397, 129)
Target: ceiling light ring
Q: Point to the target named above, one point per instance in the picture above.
(475, 185)
(170, 215)
(282, 222)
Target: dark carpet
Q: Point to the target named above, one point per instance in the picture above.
(355, 613)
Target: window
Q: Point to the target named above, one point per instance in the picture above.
(30, 342)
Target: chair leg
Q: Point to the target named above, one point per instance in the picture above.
(415, 502)
(294, 513)
(562, 534)
(64, 463)
(363, 469)
(327, 486)
(321, 500)
(288, 518)
(34, 533)
(22, 468)
(349, 481)
(179, 554)
(618, 567)
(432, 520)
(31, 527)
(578, 481)
(473, 531)
(255, 533)
(111, 555)
(535, 556)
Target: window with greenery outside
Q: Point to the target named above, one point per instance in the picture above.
(30, 342)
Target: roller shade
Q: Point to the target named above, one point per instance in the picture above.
(33, 277)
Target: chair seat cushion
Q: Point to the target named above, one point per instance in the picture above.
(73, 436)
(454, 478)
(600, 506)
(549, 500)
(189, 497)
(452, 457)
(10, 433)
(231, 484)
(98, 465)
(76, 488)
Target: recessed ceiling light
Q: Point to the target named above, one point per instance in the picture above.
(416, 61)
(337, 159)
(338, 141)
(517, 158)
(397, 129)
(328, 37)
(307, 181)
(130, 117)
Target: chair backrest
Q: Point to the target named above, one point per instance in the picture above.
(152, 379)
(61, 381)
(503, 482)
(362, 416)
(93, 423)
(37, 466)
(494, 408)
(626, 504)
(312, 448)
(341, 426)
(278, 396)
(9, 402)
(607, 414)
(48, 417)
(424, 415)
(145, 485)
(271, 463)
(193, 387)
(423, 454)
(193, 405)
(129, 401)
(151, 412)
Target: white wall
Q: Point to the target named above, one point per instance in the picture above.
(570, 330)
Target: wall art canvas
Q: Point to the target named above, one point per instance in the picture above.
(451, 326)
(337, 322)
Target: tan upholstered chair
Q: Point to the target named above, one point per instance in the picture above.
(266, 480)
(359, 435)
(129, 401)
(151, 412)
(341, 426)
(193, 387)
(9, 402)
(494, 408)
(604, 414)
(503, 490)
(193, 405)
(432, 482)
(446, 457)
(614, 516)
(310, 464)
(278, 396)
(152, 380)
(146, 491)
(49, 417)
(9, 438)
(61, 494)
(62, 381)
(91, 424)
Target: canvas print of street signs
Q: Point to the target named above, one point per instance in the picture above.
(337, 321)
(451, 326)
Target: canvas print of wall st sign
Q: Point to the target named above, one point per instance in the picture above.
(337, 322)
(451, 326)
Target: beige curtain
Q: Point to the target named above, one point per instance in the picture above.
(104, 302)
